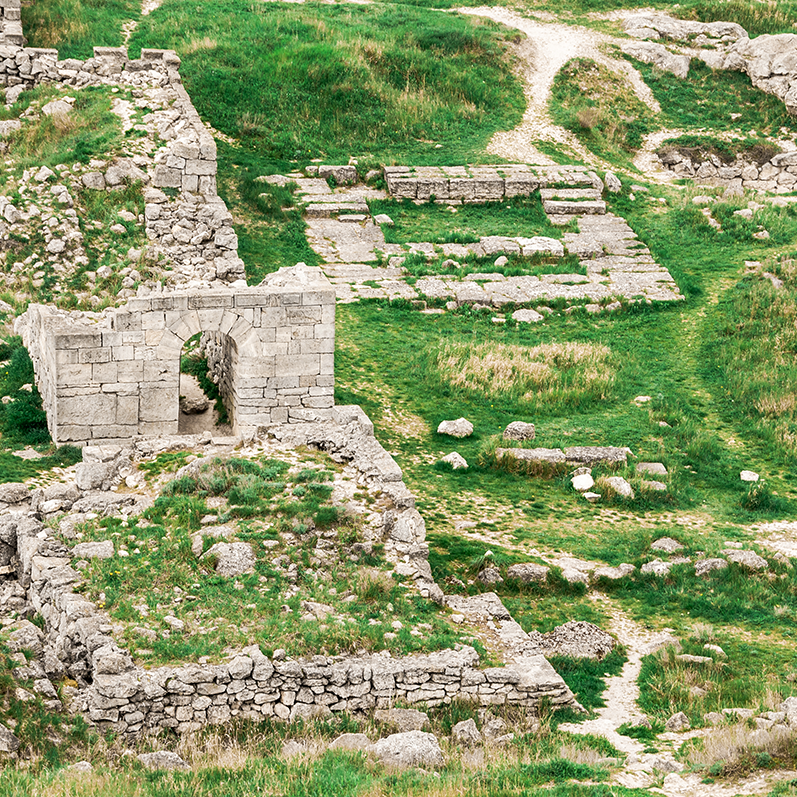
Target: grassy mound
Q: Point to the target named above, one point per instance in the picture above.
(378, 81)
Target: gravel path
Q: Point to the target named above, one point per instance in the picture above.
(548, 47)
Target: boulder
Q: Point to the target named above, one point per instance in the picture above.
(410, 749)
(351, 741)
(194, 405)
(402, 719)
(583, 482)
(747, 559)
(551, 455)
(490, 575)
(620, 486)
(519, 430)
(528, 572)
(659, 56)
(162, 759)
(527, 316)
(232, 558)
(651, 468)
(14, 493)
(657, 567)
(94, 180)
(667, 544)
(749, 476)
(459, 428)
(612, 182)
(57, 108)
(678, 722)
(25, 636)
(703, 566)
(8, 741)
(456, 460)
(466, 733)
(93, 550)
(613, 573)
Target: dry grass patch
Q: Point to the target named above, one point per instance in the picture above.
(736, 749)
(550, 374)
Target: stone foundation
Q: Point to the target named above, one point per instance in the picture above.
(119, 696)
(778, 175)
(115, 376)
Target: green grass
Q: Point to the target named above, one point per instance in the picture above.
(438, 224)
(263, 501)
(706, 99)
(752, 676)
(600, 108)
(269, 225)
(75, 27)
(381, 82)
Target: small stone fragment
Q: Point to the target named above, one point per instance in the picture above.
(458, 428)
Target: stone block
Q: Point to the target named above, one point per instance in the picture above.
(167, 178)
(200, 167)
(158, 405)
(87, 410)
(74, 375)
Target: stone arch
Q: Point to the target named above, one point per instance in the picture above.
(113, 377)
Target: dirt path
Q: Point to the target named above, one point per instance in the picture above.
(622, 691)
(548, 47)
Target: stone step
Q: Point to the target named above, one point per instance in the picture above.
(326, 210)
(577, 194)
(569, 207)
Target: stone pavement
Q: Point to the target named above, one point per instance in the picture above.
(361, 265)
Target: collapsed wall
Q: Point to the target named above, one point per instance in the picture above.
(194, 229)
(115, 376)
(118, 695)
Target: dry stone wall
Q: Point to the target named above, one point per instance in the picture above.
(114, 376)
(119, 696)
(778, 175)
(11, 23)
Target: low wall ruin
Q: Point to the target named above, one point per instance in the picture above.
(115, 376)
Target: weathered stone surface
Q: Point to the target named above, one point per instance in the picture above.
(456, 460)
(582, 482)
(703, 566)
(93, 550)
(520, 430)
(232, 558)
(9, 743)
(402, 719)
(162, 759)
(410, 749)
(619, 486)
(667, 544)
(657, 567)
(551, 455)
(596, 455)
(747, 559)
(528, 572)
(678, 722)
(14, 492)
(458, 428)
(659, 56)
(466, 733)
(351, 741)
(651, 468)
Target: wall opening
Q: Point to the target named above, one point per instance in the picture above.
(206, 387)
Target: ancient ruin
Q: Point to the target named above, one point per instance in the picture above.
(115, 376)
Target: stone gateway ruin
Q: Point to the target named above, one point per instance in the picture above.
(113, 376)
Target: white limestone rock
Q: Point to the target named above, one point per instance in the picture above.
(232, 558)
(410, 749)
(458, 428)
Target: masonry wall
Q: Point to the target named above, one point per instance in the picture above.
(116, 376)
(482, 183)
(778, 174)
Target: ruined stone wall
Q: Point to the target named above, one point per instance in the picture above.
(119, 696)
(116, 376)
(482, 183)
(11, 23)
(778, 174)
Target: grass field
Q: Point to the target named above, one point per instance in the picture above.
(288, 84)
